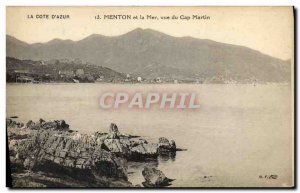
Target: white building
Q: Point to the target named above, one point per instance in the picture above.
(139, 79)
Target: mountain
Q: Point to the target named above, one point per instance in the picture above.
(150, 53)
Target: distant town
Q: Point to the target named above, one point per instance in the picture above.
(55, 71)
(76, 71)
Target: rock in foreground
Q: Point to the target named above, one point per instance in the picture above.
(155, 178)
(52, 148)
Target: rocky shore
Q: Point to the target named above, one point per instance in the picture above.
(50, 154)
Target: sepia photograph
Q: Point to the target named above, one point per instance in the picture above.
(150, 97)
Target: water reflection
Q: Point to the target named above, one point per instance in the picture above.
(167, 157)
(135, 168)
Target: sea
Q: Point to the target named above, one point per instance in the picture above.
(241, 136)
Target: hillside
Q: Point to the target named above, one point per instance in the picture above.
(50, 71)
(151, 54)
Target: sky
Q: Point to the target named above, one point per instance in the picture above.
(266, 29)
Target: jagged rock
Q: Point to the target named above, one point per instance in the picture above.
(173, 144)
(13, 145)
(13, 124)
(115, 146)
(61, 124)
(8, 122)
(29, 163)
(49, 146)
(42, 124)
(30, 124)
(130, 147)
(154, 178)
(133, 148)
(56, 125)
(42, 121)
(17, 136)
(59, 148)
(113, 132)
(136, 141)
(164, 145)
(143, 151)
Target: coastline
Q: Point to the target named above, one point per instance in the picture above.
(50, 154)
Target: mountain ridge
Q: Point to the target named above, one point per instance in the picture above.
(94, 35)
(150, 53)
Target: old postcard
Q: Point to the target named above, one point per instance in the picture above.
(150, 97)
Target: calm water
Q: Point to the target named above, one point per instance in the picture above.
(239, 133)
